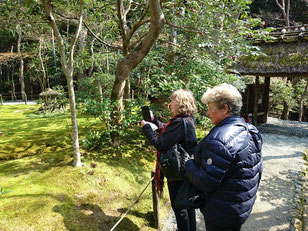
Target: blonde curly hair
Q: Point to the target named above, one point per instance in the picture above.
(224, 94)
(184, 102)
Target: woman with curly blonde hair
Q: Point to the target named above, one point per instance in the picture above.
(182, 106)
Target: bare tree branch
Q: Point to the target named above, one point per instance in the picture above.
(123, 23)
(134, 44)
(288, 10)
(279, 5)
(285, 10)
(171, 43)
(138, 24)
(128, 8)
(65, 17)
(187, 29)
(99, 39)
(73, 41)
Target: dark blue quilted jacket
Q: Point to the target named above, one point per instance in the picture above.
(228, 167)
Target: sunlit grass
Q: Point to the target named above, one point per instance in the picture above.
(44, 192)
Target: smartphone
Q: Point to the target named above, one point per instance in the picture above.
(146, 113)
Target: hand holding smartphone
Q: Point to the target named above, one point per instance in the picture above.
(147, 116)
(146, 113)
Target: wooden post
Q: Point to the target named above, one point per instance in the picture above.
(155, 202)
(266, 98)
(1, 100)
(256, 102)
(247, 101)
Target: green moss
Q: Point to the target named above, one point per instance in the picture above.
(284, 55)
(290, 39)
(47, 193)
(291, 60)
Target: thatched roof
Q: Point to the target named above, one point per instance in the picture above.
(285, 54)
(10, 56)
(6, 57)
(50, 92)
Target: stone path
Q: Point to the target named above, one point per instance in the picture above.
(279, 197)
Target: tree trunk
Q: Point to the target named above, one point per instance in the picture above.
(285, 111)
(82, 45)
(75, 137)
(285, 9)
(68, 71)
(256, 101)
(21, 67)
(171, 51)
(43, 79)
(127, 90)
(126, 64)
(301, 107)
(53, 48)
(100, 89)
(90, 71)
(13, 93)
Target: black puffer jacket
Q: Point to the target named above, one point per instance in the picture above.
(228, 167)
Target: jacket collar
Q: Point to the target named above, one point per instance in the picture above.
(231, 120)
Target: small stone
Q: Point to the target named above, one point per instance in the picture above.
(297, 223)
(87, 212)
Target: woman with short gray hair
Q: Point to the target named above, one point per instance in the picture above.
(227, 164)
(224, 94)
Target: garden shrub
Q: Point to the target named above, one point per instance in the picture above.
(102, 109)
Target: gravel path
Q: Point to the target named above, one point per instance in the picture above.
(18, 102)
(277, 200)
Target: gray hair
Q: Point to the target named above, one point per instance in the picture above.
(224, 94)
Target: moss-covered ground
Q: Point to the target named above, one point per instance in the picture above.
(40, 190)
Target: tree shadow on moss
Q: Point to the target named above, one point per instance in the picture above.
(91, 217)
(148, 216)
(83, 217)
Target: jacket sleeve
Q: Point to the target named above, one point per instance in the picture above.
(215, 160)
(174, 134)
(158, 123)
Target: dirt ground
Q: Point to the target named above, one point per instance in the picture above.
(284, 145)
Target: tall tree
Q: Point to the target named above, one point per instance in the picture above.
(284, 6)
(203, 29)
(43, 79)
(68, 69)
(21, 66)
(132, 58)
(12, 16)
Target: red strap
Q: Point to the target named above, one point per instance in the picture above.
(159, 180)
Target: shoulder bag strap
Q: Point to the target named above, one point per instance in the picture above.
(185, 132)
